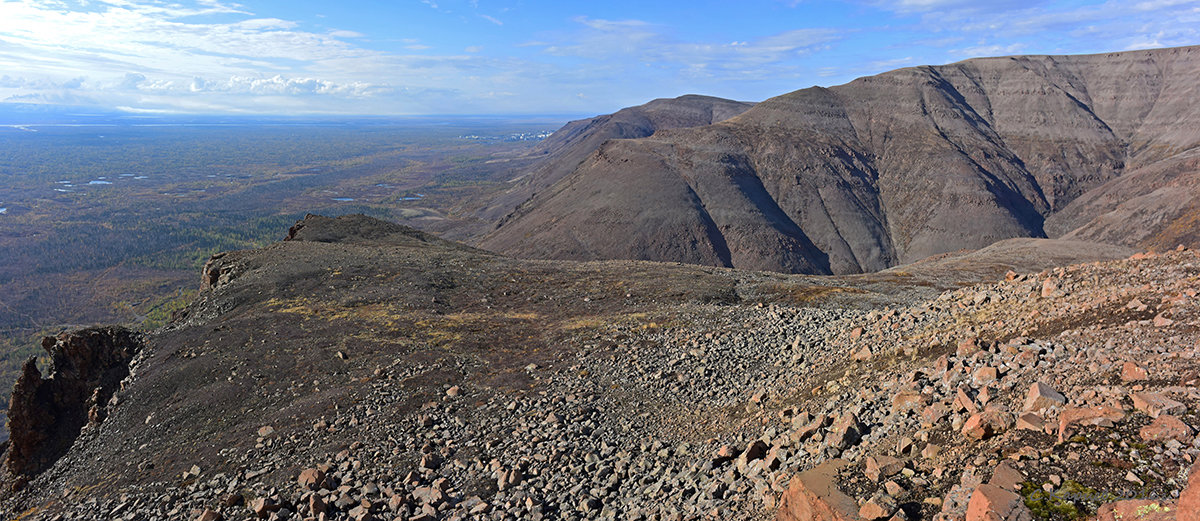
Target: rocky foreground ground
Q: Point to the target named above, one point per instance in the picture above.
(676, 393)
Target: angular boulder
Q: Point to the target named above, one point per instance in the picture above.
(1100, 415)
(813, 495)
(1189, 500)
(1042, 396)
(1166, 427)
(983, 425)
(992, 503)
(1154, 404)
(1137, 510)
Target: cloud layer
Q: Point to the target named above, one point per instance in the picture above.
(216, 56)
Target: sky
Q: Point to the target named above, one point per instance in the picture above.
(512, 57)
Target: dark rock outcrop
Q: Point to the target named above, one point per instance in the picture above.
(47, 414)
(893, 168)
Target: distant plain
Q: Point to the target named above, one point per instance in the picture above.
(108, 218)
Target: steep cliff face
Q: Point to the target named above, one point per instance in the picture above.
(894, 168)
(47, 413)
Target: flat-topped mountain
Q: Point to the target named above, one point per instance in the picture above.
(562, 152)
(893, 168)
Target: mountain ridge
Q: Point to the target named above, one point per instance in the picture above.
(883, 170)
(563, 150)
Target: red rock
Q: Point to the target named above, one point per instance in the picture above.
(908, 400)
(1100, 415)
(317, 506)
(1137, 510)
(1042, 396)
(930, 451)
(893, 488)
(311, 479)
(964, 402)
(1007, 477)
(1162, 321)
(1131, 372)
(941, 365)
(210, 515)
(758, 397)
(263, 432)
(856, 333)
(1155, 404)
(986, 375)
(807, 431)
(878, 507)
(1189, 499)
(932, 415)
(985, 396)
(1027, 358)
(813, 496)
(862, 355)
(967, 347)
(429, 495)
(1166, 427)
(727, 452)
(1031, 421)
(986, 424)
(877, 467)
(846, 431)
(992, 503)
(263, 507)
(1049, 287)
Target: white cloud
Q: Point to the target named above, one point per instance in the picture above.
(1011, 27)
(214, 55)
(142, 51)
(989, 50)
(954, 7)
(636, 41)
(345, 34)
(279, 85)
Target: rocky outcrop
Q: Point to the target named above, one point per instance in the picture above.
(894, 168)
(359, 229)
(47, 414)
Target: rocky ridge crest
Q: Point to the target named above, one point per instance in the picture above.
(367, 381)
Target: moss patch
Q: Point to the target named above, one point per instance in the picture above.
(1070, 502)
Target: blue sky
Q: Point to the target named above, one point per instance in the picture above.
(520, 56)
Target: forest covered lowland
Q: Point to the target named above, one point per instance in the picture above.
(107, 218)
(963, 292)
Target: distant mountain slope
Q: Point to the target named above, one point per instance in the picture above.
(893, 168)
(562, 152)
